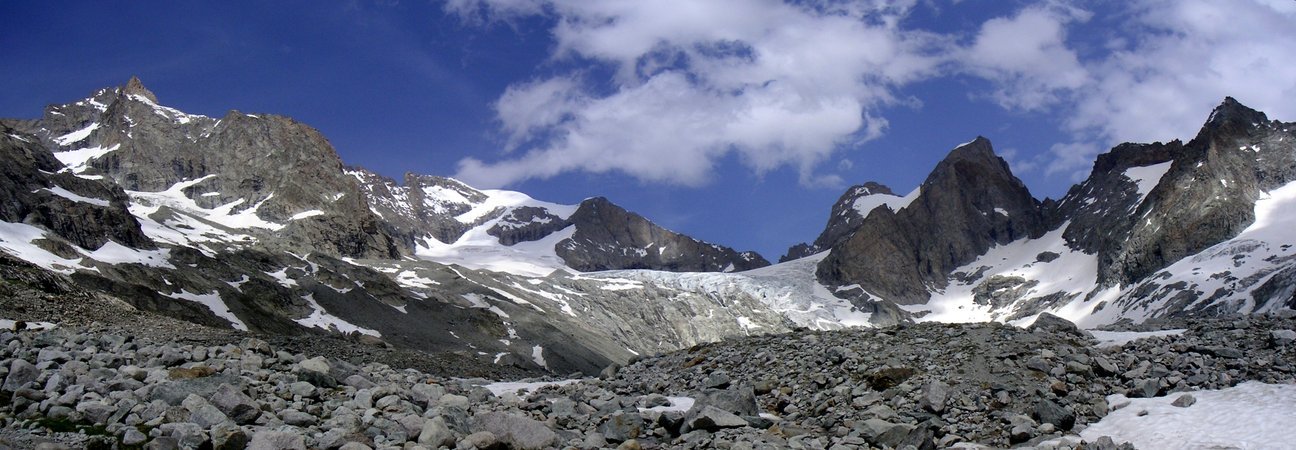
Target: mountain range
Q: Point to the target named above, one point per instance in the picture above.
(252, 222)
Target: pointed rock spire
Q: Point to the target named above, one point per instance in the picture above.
(136, 87)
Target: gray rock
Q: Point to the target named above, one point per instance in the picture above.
(21, 372)
(355, 446)
(1282, 337)
(202, 412)
(277, 440)
(478, 440)
(436, 433)
(174, 392)
(622, 426)
(237, 406)
(359, 382)
(301, 389)
(711, 418)
(318, 364)
(187, 435)
(298, 418)
(740, 400)
(716, 380)
(1047, 411)
(96, 411)
(1054, 324)
(518, 431)
(1184, 401)
(933, 397)
(133, 436)
(227, 436)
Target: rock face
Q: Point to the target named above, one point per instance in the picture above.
(86, 212)
(609, 237)
(970, 202)
(1147, 219)
(847, 214)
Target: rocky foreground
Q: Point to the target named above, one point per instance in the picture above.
(922, 386)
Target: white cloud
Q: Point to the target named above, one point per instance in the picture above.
(1189, 56)
(1173, 61)
(1027, 56)
(775, 83)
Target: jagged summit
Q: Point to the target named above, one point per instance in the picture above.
(136, 87)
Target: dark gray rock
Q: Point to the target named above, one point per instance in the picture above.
(235, 404)
(1046, 411)
(622, 426)
(609, 237)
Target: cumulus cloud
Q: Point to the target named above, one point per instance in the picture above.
(1175, 60)
(777, 84)
(1027, 57)
(1189, 56)
(789, 84)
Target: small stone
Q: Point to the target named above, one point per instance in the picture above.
(622, 426)
(355, 446)
(1184, 401)
(298, 418)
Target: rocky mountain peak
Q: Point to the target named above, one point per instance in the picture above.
(970, 202)
(136, 87)
(1231, 112)
(972, 160)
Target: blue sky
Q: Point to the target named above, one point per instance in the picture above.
(738, 122)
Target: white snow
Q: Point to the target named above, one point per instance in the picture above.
(224, 215)
(59, 191)
(537, 355)
(305, 214)
(319, 318)
(1072, 272)
(1147, 177)
(18, 240)
(480, 251)
(1001, 211)
(680, 404)
(76, 136)
(499, 388)
(1251, 415)
(6, 324)
(214, 303)
(77, 160)
(1119, 338)
(282, 276)
(866, 204)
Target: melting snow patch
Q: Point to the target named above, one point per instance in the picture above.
(303, 215)
(679, 404)
(6, 324)
(1251, 415)
(59, 191)
(514, 386)
(537, 355)
(1147, 177)
(214, 303)
(76, 136)
(320, 318)
(76, 160)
